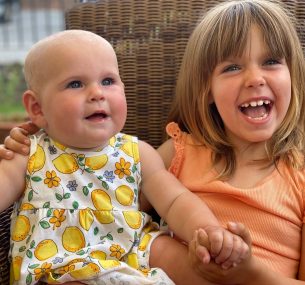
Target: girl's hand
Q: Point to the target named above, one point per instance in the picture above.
(230, 271)
(17, 141)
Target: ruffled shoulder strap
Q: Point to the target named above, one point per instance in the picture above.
(179, 139)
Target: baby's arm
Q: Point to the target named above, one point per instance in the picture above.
(12, 173)
(181, 209)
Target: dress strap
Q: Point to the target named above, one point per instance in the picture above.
(179, 139)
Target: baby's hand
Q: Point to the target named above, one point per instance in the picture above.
(234, 270)
(226, 248)
(17, 141)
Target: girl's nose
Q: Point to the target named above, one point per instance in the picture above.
(254, 78)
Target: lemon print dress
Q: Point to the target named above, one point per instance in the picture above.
(79, 217)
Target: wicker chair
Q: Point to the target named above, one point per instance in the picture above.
(149, 37)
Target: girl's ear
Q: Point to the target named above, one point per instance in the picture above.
(33, 108)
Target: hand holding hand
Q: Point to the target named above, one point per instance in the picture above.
(221, 256)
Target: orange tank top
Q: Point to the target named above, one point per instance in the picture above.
(273, 210)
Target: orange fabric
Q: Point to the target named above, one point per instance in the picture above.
(273, 210)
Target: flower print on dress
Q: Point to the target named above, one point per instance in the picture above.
(58, 218)
(122, 168)
(52, 180)
(116, 251)
(72, 185)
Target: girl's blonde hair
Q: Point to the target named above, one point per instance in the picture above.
(222, 32)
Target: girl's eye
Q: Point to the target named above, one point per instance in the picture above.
(232, 67)
(107, 81)
(272, 61)
(74, 84)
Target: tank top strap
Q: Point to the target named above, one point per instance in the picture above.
(179, 139)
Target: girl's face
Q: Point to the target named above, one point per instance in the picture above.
(252, 92)
(83, 100)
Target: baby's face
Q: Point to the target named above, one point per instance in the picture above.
(82, 95)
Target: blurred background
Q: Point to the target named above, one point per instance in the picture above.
(22, 23)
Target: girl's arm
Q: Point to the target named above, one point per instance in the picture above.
(12, 173)
(17, 141)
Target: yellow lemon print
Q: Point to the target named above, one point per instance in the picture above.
(133, 219)
(99, 255)
(45, 249)
(21, 228)
(36, 160)
(101, 200)
(77, 260)
(132, 260)
(15, 268)
(112, 141)
(86, 218)
(132, 150)
(88, 271)
(73, 239)
(144, 242)
(104, 217)
(66, 163)
(106, 264)
(96, 162)
(124, 195)
(26, 206)
(60, 146)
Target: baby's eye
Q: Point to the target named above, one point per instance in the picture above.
(232, 67)
(107, 81)
(74, 84)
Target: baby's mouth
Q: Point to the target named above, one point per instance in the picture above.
(97, 115)
(257, 110)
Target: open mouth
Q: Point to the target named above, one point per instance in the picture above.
(257, 110)
(97, 116)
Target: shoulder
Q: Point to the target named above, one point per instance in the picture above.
(167, 152)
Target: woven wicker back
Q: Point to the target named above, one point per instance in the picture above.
(149, 37)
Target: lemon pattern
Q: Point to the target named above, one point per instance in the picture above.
(79, 217)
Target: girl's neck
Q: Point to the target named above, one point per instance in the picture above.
(251, 168)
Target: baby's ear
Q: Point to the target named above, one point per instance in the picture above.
(33, 108)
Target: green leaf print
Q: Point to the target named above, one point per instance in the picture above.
(75, 205)
(30, 196)
(130, 179)
(120, 230)
(109, 236)
(134, 169)
(85, 190)
(46, 205)
(90, 185)
(89, 170)
(33, 266)
(36, 178)
(81, 252)
(95, 231)
(22, 248)
(29, 254)
(67, 195)
(44, 224)
(32, 245)
(58, 197)
(105, 185)
(28, 279)
(49, 213)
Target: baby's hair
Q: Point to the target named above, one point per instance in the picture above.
(221, 33)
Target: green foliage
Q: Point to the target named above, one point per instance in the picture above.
(12, 85)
